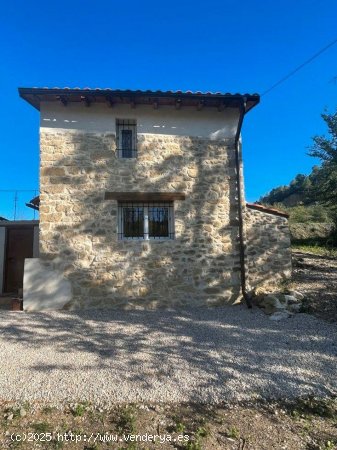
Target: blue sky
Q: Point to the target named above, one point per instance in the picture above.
(230, 46)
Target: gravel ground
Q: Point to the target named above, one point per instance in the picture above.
(204, 355)
(316, 277)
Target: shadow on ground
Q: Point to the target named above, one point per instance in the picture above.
(207, 355)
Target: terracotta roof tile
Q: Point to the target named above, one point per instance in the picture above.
(266, 209)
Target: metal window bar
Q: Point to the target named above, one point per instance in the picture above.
(126, 138)
(146, 221)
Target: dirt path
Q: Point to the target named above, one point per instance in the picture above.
(316, 277)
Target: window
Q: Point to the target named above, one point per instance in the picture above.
(126, 137)
(150, 220)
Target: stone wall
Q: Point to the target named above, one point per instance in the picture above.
(267, 248)
(78, 228)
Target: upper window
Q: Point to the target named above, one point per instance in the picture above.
(126, 136)
(145, 220)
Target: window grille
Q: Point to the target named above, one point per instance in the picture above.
(146, 221)
(126, 136)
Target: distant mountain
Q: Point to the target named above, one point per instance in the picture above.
(300, 199)
(298, 192)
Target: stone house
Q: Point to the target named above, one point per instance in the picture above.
(142, 202)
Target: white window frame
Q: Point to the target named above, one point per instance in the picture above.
(145, 206)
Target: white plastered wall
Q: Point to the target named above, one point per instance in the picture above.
(166, 120)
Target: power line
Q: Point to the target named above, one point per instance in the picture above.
(308, 61)
(18, 190)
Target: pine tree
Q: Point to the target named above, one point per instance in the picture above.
(324, 180)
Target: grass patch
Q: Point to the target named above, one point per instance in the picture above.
(233, 433)
(311, 406)
(48, 410)
(194, 445)
(126, 422)
(315, 249)
(178, 424)
(41, 427)
(312, 421)
(79, 409)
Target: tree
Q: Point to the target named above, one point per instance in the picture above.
(324, 182)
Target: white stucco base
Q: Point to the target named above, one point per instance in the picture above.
(44, 289)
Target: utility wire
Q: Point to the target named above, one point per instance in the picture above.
(308, 61)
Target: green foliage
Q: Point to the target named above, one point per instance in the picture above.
(305, 214)
(127, 421)
(313, 197)
(312, 406)
(47, 409)
(79, 409)
(233, 433)
(202, 432)
(41, 427)
(317, 250)
(325, 148)
(299, 190)
(194, 445)
(317, 213)
(180, 427)
(329, 445)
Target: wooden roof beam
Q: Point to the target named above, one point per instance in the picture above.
(109, 102)
(63, 100)
(144, 196)
(86, 100)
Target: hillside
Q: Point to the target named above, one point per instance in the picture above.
(302, 190)
(311, 221)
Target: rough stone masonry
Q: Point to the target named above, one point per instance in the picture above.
(78, 228)
(268, 249)
(186, 150)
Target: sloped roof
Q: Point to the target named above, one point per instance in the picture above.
(267, 210)
(35, 96)
(34, 203)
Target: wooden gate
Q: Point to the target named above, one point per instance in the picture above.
(19, 245)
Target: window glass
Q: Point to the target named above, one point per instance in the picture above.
(159, 221)
(126, 138)
(133, 222)
(145, 220)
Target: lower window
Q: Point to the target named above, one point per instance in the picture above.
(150, 220)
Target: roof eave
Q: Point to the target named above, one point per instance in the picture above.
(34, 96)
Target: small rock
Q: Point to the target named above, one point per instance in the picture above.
(282, 298)
(270, 303)
(295, 308)
(280, 315)
(10, 416)
(296, 294)
(23, 412)
(291, 299)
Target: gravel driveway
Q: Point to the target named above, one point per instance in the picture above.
(205, 355)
